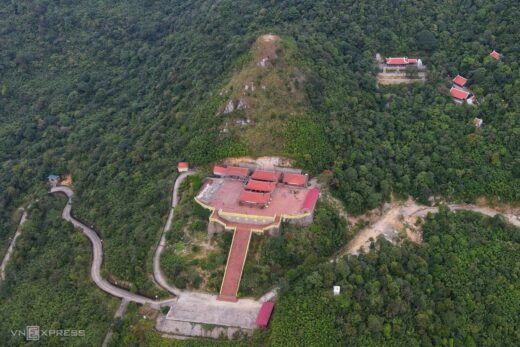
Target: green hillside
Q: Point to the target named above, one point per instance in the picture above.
(116, 93)
(49, 285)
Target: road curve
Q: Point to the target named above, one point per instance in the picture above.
(97, 250)
(157, 273)
(10, 250)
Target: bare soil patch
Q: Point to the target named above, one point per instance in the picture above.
(399, 219)
(266, 163)
(266, 46)
(391, 78)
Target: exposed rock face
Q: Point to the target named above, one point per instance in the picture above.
(242, 104)
(262, 94)
(249, 87)
(243, 121)
(230, 107)
(263, 62)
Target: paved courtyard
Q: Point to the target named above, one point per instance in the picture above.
(206, 309)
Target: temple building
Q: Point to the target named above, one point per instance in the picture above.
(257, 202)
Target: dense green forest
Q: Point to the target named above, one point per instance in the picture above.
(115, 93)
(460, 288)
(48, 282)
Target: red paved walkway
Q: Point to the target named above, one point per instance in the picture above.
(235, 264)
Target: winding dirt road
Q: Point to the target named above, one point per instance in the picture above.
(392, 219)
(10, 250)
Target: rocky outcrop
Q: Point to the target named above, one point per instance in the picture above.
(230, 107)
(249, 87)
(242, 104)
(263, 62)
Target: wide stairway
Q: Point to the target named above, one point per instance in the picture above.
(235, 264)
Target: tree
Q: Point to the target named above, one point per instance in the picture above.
(426, 40)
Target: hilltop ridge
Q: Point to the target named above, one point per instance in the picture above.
(264, 92)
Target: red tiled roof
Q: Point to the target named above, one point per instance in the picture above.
(310, 199)
(237, 171)
(412, 61)
(495, 55)
(270, 176)
(459, 94)
(261, 186)
(265, 314)
(182, 165)
(294, 179)
(219, 170)
(254, 198)
(459, 80)
(397, 61)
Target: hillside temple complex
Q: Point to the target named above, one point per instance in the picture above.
(245, 200)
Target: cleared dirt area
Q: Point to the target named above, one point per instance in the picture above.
(388, 226)
(390, 78)
(265, 48)
(398, 221)
(266, 163)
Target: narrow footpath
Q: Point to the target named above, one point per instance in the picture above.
(119, 314)
(10, 250)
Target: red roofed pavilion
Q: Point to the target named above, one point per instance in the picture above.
(270, 176)
(262, 320)
(233, 171)
(294, 179)
(261, 186)
(236, 171)
(183, 166)
(397, 61)
(459, 93)
(495, 55)
(219, 171)
(310, 199)
(254, 198)
(460, 81)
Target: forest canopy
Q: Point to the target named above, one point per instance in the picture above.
(116, 93)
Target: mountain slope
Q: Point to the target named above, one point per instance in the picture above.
(263, 94)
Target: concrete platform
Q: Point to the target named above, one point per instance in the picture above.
(206, 309)
(182, 330)
(224, 195)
